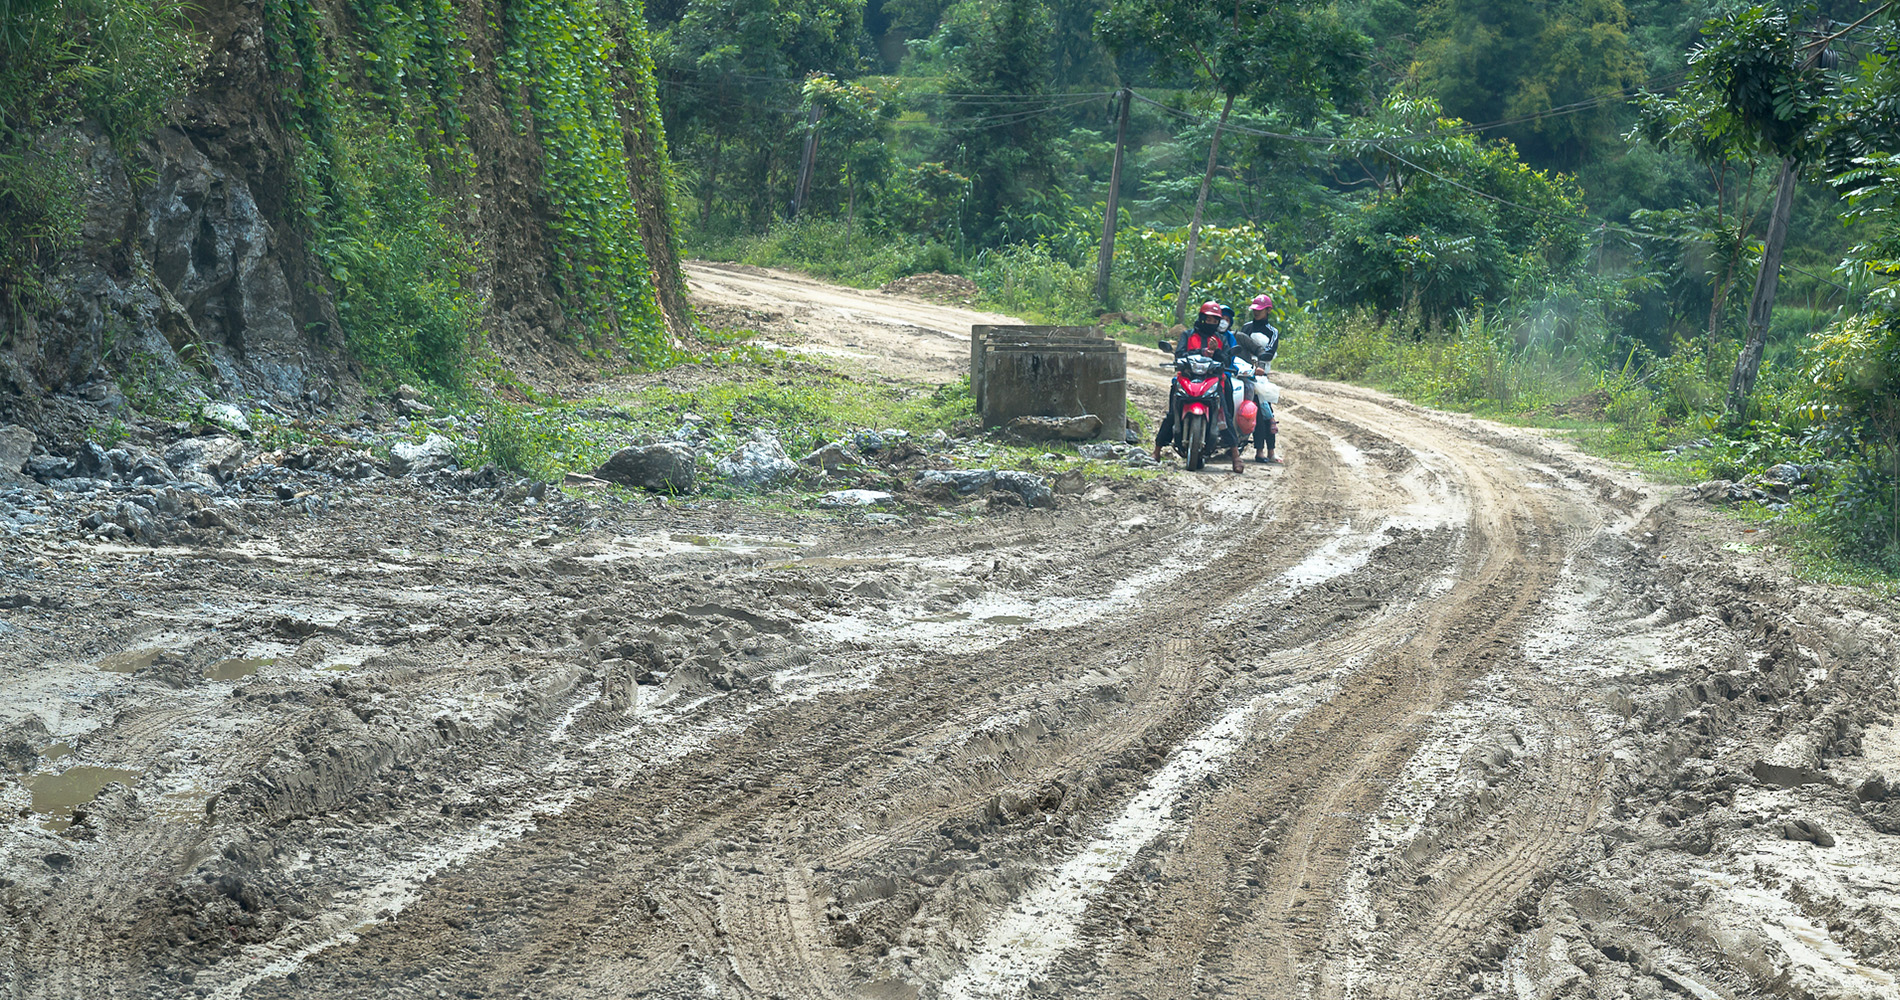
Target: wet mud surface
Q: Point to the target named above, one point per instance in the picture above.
(1438, 709)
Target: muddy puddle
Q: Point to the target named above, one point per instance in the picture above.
(56, 796)
(130, 662)
(237, 667)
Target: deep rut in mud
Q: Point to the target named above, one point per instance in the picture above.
(1385, 723)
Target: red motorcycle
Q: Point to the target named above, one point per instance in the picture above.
(1194, 404)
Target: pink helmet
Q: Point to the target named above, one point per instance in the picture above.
(1263, 302)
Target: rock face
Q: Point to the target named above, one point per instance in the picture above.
(758, 464)
(16, 446)
(668, 467)
(1083, 428)
(432, 455)
(193, 254)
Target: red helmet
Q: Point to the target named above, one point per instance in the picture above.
(1210, 308)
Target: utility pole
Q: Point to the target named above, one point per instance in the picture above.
(804, 168)
(1105, 261)
(1194, 227)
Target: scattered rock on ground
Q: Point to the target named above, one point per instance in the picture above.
(962, 482)
(1725, 491)
(667, 467)
(215, 457)
(1122, 453)
(846, 499)
(433, 455)
(1875, 789)
(1034, 490)
(225, 415)
(1083, 428)
(758, 464)
(692, 429)
(832, 457)
(47, 468)
(1810, 830)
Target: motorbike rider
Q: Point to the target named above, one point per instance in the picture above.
(1204, 338)
(1259, 341)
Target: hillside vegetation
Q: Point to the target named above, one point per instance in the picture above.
(1541, 210)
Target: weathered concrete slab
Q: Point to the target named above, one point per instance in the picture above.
(1048, 371)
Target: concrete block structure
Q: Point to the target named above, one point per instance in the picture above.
(1048, 371)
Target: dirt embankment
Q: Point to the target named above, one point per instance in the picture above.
(1440, 708)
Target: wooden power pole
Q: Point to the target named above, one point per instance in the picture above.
(1105, 260)
(1194, 227)
(803, 189)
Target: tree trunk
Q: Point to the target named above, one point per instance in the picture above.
(1194, 226)
(1762, 306)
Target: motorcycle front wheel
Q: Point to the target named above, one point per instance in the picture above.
(1196, 436)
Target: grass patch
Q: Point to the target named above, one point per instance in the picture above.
(1649, 413)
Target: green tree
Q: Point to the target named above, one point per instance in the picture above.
(1000, 130)
(1448, 221)
(1296, 55)
(1757, 89)
(732, 72)
(1556, 72)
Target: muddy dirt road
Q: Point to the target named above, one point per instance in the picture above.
(1439, 709)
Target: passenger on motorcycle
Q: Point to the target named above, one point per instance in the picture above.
(1205, 338)
(1258, 342)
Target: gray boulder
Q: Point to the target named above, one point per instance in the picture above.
(433, 455)
(1032, 488)
(962, 482)
(668, 467)
(1083, 428)
(226, 416)
(47, 468)
(16, 446)
(692, 429)
(849, 499)
(868, 440)
(832, 457)
(1808, 829)
(138, 465)
(758, 464)
(217, 457)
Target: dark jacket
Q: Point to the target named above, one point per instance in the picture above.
(1262, 354)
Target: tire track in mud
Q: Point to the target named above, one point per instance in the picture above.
(834, 758)
(1260, 860)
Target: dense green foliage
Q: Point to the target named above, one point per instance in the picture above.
(117, 63)
(1552, 206)
(378, 97)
